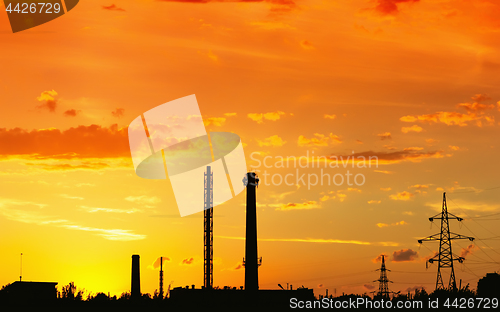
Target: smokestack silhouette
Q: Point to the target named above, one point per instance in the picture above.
(136, 277)
(251, 262)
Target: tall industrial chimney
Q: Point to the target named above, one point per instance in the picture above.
(136, 277)
(251, 262)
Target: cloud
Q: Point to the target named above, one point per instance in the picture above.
(464, 252)
(404, 255)
(91, 164)
(187, 261)
(385, 189)
(369, 286)
(272, 141)
(79, 142)
(389, 7)
(71, 112)
(384, 136)
(272, 116)
(156, 263)
(467, 205)
(476, 107)
(318, 140)
(419, 186)
(230, 114)
(383, 171)
(71, 197)
(373, 201)
(119, 112)
(401, 196)
(316, 240)
(480, 98)
(143, 199)
(474, 114)
(386, 158)
(331, 117)
(35, 217)
(381, 225)
(216, 121)
(112, 7)
(297, 206)
(48, 101)
(111, 210)
(455, 148)
(306, 45)
(414, 128)
(379, 258)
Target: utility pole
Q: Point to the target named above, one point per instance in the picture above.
(383, 286)
(445, 257)
(21, 269)
(208, 228)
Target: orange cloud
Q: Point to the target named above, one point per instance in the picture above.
(381, 225)
(401, 196)
(82, 141)
(413, 128)
(187, 261)
(389, 7)
(384, 136)
(419, 186)
(379, 258)
(156, 263)
(216, 121)
(385, 158)
(374, 201)
(480, 98)
(48, 101)
(259, 118)
(330, 116)
(119, 112)
(299, 206)
(476, 107)
(272, 141)
(71, 112)
(112, 8)
(318, 140)
(450, 118)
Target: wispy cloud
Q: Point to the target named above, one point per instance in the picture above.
(317, 240)
(36, 217)
(143, 199)
(112, 210)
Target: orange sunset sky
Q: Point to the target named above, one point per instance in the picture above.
(413, 82)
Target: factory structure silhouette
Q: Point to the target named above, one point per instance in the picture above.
(250, 295)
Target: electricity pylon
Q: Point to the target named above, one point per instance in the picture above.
(383, 281)
(445, 257)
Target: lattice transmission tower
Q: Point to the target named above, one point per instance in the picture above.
(445, 257)
(383, 281)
